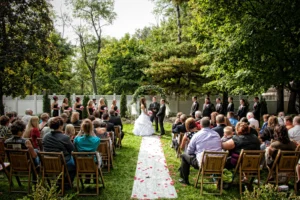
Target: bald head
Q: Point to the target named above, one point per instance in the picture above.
(296, 120)
(205, 122)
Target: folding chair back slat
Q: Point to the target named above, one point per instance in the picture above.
(251, 162)
(214, 164)
(104, 150)
(288, 163)
(180, 137)
(118, 136)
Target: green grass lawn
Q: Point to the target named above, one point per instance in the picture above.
(119, 181)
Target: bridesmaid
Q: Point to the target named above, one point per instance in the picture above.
(90, 107)
(78, 107)
(65, 106)
(114, 107)
(55, 107)
(102, 107)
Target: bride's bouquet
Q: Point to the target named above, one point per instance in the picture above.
(149, 112)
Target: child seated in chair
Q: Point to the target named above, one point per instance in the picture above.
(228, 133)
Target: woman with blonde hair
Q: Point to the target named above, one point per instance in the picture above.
(114, 107)
(102, 107)
(44, 118)
(75, 119)
(70, 131)
(32, 131)
(65, 106)
(90, 107)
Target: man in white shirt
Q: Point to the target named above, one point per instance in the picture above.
(26, 118)
(294, 133)
(252, 121)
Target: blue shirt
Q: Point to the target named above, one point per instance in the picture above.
(86, 143)
(233, 121)
(205, 140)
(263, 127)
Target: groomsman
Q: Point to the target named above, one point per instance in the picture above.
(256, 109)
(219, 106)
(195, 106)
(230, 107)
(208, 108)
(161, 115)
(242, 112)
(154, 107)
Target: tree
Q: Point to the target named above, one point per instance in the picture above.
(94, 15)
(46, 103)
(25, 27)
(85, 101)
(123, 105)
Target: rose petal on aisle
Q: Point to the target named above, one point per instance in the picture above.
(152, 178)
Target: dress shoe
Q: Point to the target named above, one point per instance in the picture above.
(184, 181)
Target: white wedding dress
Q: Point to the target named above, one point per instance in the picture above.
(143, 125)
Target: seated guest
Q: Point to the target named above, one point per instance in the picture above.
(268, 133)
(100, 129)
(116, 120)
(294, 133)
(191, 128)
(17, 142)
(265, 124)
(91, 117)
(32, 131)
(231, 118)
(227, 122)
(198, 118)
(44, 118)
(243, 140)
(70, 131)
(213, 119)
(288, 121)
(110, 126)
(27, 116)
(56, 141)
(252, 121)
(75, 119)
(220, 119)
(4, 130)
(252, 129)
(228, 134)
(205, 140)
(282, 142)
(11, 117)
(86, 140)
(177, 120)
(180, 126)
(96, 114)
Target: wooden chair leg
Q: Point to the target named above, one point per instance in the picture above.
(97, 182)
(201, 185)
(197, 179)
(29, 179)
(221, 187)
(240, 180)
(101, 176)
(10, 180)
(63, 183)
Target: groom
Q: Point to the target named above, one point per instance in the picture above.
(161, 115)
(154, 107)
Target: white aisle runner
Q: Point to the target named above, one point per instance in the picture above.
(152, 179)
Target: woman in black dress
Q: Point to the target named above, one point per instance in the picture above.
(65, 106)
(78, 107)
(90, 107)
(102, 107)
(114, 107)
(54, 107)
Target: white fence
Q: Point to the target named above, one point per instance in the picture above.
(35, 102)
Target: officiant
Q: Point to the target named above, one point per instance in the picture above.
(154, 107)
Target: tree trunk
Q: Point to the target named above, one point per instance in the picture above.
(1, 101)
(280, 98)
(292, 103)
(178, 22)
(225, 100)
(93, 73)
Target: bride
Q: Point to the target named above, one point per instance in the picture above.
(143, 125)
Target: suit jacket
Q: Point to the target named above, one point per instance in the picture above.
(256, 110)
(116, 121)
(161, 112)
(220, 129)
(219, 108)
(194, 108)
(154, 107)
(179, 128)
(242, 112)
(207, 110)
(109, 126)
(230, 107)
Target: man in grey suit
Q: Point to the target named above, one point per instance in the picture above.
(161, 115)
(195, 106)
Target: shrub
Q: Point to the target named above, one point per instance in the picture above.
(123, 105)
(68, 95)
(85, 101)
(105, 101)
(46, 103)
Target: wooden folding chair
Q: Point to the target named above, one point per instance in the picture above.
(4, 166)
(104, 150)
(2, 148)
(40, 143)
(21, 165)
(284, 165)
(213, 164)
(180, 137)
(53, 165)
(118, 136)
(249, 164)
(86, 165)
(112, 138)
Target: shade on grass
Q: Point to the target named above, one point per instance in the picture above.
(119, 182)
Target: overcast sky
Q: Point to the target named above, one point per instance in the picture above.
(131, 15)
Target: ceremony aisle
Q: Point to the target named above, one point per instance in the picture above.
(152, 179)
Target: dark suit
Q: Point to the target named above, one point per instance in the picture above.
(154, 107)
(179, 128)
(220, 129)
(242, 112)
(194, 108)
(230, 107)
(207, 110)
(116, 121)
(256, 111)
(161, 115)
(219, 108)
(109, 126)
